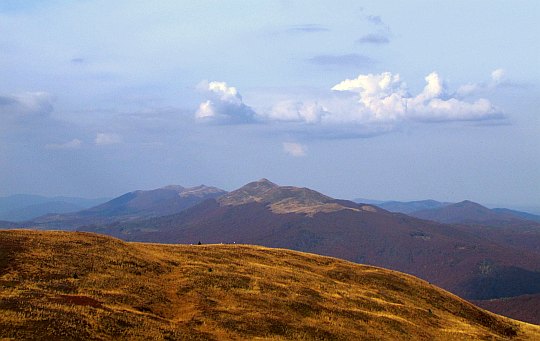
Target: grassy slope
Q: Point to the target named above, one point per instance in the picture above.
(56, 285)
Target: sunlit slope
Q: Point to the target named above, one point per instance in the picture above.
(56, 285)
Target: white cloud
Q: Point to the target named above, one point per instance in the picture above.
(289, 110)
(294, 149)
(367, 105)
(385, 98)
(103, 139)
(73, 144)
(223, 104)
(498, 76)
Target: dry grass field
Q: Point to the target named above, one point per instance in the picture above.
(68, 285)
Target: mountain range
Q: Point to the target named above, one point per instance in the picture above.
(447, 212)
(477, 262)
(131, 206)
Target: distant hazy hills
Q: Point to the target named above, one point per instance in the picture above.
(465, 212)
(81, 286)
(410, 206)
(131, 206)
(468, 212)
(23, 207)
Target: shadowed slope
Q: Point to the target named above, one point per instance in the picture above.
(131, 206)
(85, 286)
(525, 308)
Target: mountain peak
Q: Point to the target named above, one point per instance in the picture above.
(176, 188)
(462, 212)
(201, 191)
(282, 199)
(263, 183)
(256, 191)
(468, 202)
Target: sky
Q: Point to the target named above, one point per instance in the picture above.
(386, 100)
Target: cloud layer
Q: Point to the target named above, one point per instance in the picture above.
(367, 105)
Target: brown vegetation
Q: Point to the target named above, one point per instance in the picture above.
(67, 285)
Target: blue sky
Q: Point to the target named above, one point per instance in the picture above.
(384, 100)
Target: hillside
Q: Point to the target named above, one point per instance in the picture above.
(502, 226)
(468, 212)
(520, 214)
(68, 285)
(131, 206)
(263, 213)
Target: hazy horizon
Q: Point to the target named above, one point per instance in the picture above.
(530, 209)
(386, 101)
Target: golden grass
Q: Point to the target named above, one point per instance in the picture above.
(67, 285)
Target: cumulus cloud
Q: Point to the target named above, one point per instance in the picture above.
(27, 104)
(367, 105)
(498, 76)
(223, 104)
(104, 139)
(294, 149)
(73, 144)
(385, 98)
(352, 59)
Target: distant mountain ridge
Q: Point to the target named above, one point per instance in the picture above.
(446, 212)
(133, 205)
(468, 212)
(411, 206)
(520, 214)
(21, 207)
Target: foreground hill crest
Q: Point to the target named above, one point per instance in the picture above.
(67, 285)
